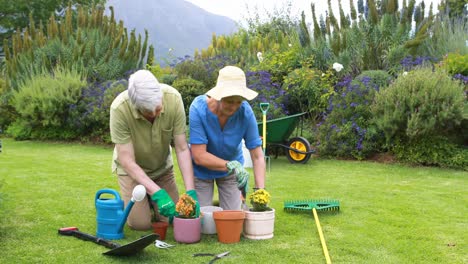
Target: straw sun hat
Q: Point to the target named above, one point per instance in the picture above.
(231, 82)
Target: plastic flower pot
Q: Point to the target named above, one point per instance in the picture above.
(208, 225)
(229, 225)
(160, 228)
(187, 230)
(259, 225)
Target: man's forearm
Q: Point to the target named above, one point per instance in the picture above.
(185, 165)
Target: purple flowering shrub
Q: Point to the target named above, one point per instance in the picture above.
(409, 63)
(346, 129)
(268, 92)
(89, 117)
(462, 78)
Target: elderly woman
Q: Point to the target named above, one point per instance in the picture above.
(143, 121)
(219, 120)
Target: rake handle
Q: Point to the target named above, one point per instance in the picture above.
(322, 239)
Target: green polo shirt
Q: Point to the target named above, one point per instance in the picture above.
(151, 141)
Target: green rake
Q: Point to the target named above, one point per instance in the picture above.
(307, 205)
(314, 206)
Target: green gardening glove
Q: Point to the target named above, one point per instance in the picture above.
(193, 194)
(165, 204)
(242, 175)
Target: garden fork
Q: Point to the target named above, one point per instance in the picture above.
(162, 244)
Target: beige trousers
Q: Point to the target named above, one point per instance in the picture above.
(140, 215)
(229, 195)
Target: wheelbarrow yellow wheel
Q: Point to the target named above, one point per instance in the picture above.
(301, 144)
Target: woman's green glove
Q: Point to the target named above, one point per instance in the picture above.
(242, 175)
(165, 204)
(193, 194)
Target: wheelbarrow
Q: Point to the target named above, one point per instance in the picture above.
(278, 133)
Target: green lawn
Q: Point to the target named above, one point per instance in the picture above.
(389, 213)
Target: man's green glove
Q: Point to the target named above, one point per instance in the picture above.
(242, 175)
(193, 194)
(165, 204)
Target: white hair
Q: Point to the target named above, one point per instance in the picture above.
(144, 91)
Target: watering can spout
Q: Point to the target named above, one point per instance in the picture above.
(139, 193)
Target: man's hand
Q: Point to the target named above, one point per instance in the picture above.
(165, 204)
(242, 175)
(193, 194)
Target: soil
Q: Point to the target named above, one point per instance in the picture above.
(385, 158)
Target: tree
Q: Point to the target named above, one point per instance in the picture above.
(456, 8)
(14, 15)
(317, 32)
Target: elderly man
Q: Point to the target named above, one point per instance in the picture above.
(143, 121)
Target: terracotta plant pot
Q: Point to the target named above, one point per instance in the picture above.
(229, 225)
(187, 230)
(259, 225)
(160, 228)
(208, 225)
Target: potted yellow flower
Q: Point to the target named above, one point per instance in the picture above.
(187, 226)
(260, 219)
(259, 200)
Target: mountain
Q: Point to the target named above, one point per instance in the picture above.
(172, 24)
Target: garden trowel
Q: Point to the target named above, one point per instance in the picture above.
(116, 249)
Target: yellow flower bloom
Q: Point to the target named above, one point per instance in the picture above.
(259, 200)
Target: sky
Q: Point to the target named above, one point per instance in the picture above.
(237, 9)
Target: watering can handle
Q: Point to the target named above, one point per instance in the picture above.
(109, 191)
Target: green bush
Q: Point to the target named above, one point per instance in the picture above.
(189, 89)
(435, 151)
(279, 64)
(419, 104)
(303, 88)
(20, 129)
(2, 182)
(159, 71)
(7, 112)
(422, 104)
(195, 70)
(42, 103)
(457, 64)
(168, 79)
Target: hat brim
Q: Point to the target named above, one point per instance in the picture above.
(219, 93)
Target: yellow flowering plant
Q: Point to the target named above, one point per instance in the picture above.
(186, 207)
(259, 200)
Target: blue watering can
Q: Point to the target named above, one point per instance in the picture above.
(110, 213)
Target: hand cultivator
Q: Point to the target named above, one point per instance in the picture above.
(162, 244)
(314, 206)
